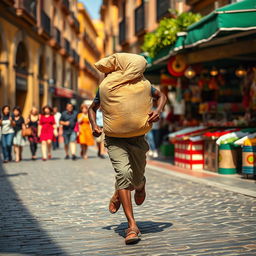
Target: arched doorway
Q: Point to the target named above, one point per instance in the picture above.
(21, 65)
(41, 80)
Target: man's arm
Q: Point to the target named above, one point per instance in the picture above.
(96, 130)
(63, 122)
(161, 99)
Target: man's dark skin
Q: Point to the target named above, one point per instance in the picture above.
(124, 195)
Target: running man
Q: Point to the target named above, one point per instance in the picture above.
(125, 98)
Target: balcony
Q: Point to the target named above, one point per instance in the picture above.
(67, 46)
(74, 22)
(122, 32)
(162, 8)
(89, 68)
(65, 6)
(75, 57)
(91, 44)
(45, 26)
(27, 9)
(9, 2)
(140, 19)
(55, 37)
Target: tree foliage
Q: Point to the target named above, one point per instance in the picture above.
(166, 33)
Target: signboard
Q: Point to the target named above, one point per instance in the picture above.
(63, 92)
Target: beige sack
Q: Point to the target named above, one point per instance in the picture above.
(125, 95)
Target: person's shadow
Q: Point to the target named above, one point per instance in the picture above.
(20, 231)
(144, 226)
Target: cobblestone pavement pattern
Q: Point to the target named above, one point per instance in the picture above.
(60, 207)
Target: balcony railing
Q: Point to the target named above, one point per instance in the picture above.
(67, 46)
(162, 8)
(55, 33)
(76, 22)
(65, 5)
(90, 68)
(27, 9)
(46, 22)
(140, 19)
(30, 6)
(122, 31)
(75, 56)
(91, 43)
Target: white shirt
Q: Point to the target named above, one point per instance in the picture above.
(57, 119)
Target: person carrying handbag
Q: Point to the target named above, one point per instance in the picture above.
(31, 131)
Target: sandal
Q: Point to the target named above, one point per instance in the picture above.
(115, 203)
(140, 195)
(132, 235)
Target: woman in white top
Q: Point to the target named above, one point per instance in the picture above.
(7, 123)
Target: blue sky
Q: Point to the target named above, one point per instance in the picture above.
(93, 7)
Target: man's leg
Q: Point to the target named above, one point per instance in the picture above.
(72, 148)
(125, 198)
(66, 147)
(66, 144)
(73, 145)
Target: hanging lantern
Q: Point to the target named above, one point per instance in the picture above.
(214, 71)
(190, 72)
(240, 72)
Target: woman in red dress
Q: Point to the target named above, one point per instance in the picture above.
(47, 131)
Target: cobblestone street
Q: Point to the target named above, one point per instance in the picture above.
(60, 207)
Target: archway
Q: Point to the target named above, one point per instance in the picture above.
(21, 65)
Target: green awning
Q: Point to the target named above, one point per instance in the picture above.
(230, 19)
(170, 50)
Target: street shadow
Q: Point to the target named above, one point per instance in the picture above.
(13, 175)
(20, 231)
(144, 226)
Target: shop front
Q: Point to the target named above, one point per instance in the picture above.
(61, 96)
(214, 76)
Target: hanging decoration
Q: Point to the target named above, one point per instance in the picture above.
(176, 66)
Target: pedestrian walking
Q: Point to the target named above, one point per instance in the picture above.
(85, 137)
(68, 121)
(47, 131)
(125, 97)
(57, 116)
(18, 139)
(100, 139)
(6, 123)
(152, 146)
(32, 123)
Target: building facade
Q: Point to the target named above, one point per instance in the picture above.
(39, 61)
(89, 49)
(206, 6)
(126, 22)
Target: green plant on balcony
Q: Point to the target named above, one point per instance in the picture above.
(166, 33)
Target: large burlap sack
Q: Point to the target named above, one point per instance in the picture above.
(125, 95)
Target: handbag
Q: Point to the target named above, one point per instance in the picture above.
(27, 132)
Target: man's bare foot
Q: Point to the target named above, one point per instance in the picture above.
(114, 203)
(140, 195)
